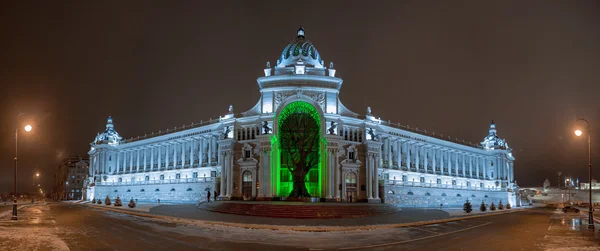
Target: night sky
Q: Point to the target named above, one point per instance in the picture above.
(448, 67)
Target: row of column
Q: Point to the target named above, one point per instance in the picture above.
(433, 158)
(371, 171)
(205, 149)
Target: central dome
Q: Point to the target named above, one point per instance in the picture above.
(300, 52)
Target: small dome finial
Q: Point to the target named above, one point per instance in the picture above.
(301, 32)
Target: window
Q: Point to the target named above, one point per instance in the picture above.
(147, 178)
(422, 179)
(439, 181)
(454, 182)
(73, 177)
(177, 176)
(195, 175)
(404, 178)
(162, 177)
(109, 157)
(120, 179)
(351, 155)
(247, 154)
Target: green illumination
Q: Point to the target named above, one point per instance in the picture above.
(302, 132)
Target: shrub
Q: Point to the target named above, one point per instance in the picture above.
(508, 206)
(118, 202)
(99, 201)
(131, 204)
(482, 208)
(107, 200)
(467, 207)
(94, 201)
(493, 207)
(500, 206)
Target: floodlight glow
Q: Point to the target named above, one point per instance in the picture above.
(28, 128)
(578, 132)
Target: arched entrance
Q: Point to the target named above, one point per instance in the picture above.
(299, 145)
(247, 184)
(351, 187)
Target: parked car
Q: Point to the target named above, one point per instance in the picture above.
(570, 209)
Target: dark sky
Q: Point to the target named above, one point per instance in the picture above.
(448, 67)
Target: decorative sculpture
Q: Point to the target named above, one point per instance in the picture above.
(230, 108)
(372, 134)
(226, 132)
(266, 128)
(268, 64)
(330, 65)
(368, 110)
(332, 128)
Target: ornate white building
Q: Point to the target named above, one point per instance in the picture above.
(361, 157)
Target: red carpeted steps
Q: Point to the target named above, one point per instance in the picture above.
(301, 210)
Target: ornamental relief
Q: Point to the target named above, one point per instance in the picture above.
(318, 97)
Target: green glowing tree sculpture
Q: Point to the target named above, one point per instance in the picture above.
(299, 136)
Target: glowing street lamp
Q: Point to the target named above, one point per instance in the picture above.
(27, 129)
(578, 132)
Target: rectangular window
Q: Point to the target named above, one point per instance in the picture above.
(351, 155)
(195, 175)
(247, 154)
(439, 181)
(147, 178)
(177, 176)
(422, 180)
(404, 178)
(162, 177)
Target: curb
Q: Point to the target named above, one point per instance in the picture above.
(297, 228)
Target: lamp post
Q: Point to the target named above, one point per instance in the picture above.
(579, 133)
(27, 129)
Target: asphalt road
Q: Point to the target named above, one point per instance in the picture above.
(77, 227)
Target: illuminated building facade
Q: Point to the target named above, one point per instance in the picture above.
(299, 140)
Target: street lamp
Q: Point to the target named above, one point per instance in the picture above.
(27, 128)
(578, 132)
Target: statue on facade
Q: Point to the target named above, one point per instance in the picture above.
(226, 132)
(372, 134)
(266, 128)
(332, 128)
(268, 64)
(330, 65)
(230, 108)
(368, 110)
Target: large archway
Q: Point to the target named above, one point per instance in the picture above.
(299, 144)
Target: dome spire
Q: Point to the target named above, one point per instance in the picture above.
(301, 32)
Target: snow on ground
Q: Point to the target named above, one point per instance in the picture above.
(31, 232)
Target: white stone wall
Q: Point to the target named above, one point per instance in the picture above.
(433, 197)
(183, 193)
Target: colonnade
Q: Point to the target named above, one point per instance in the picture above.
(177, 153)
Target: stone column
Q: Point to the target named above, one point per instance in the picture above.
(408, 146)
(152, 157)
(254, 176)
(369, 176)
(456, 163)
(376, 178)
(137, 164)
(210, 150)
(425, 158)
(471, 166)
(130, 156)
(192, 146)
(174, 155)
(268, 173)
(223, 181)
(182, 154)
(261, 173)
(145, 158)
(463, 164)
(118, 160)
(417, 156)
(434, 160)
(399, 153)
(336, 165)
(167, 156)
(477, 166)
(229, 161)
